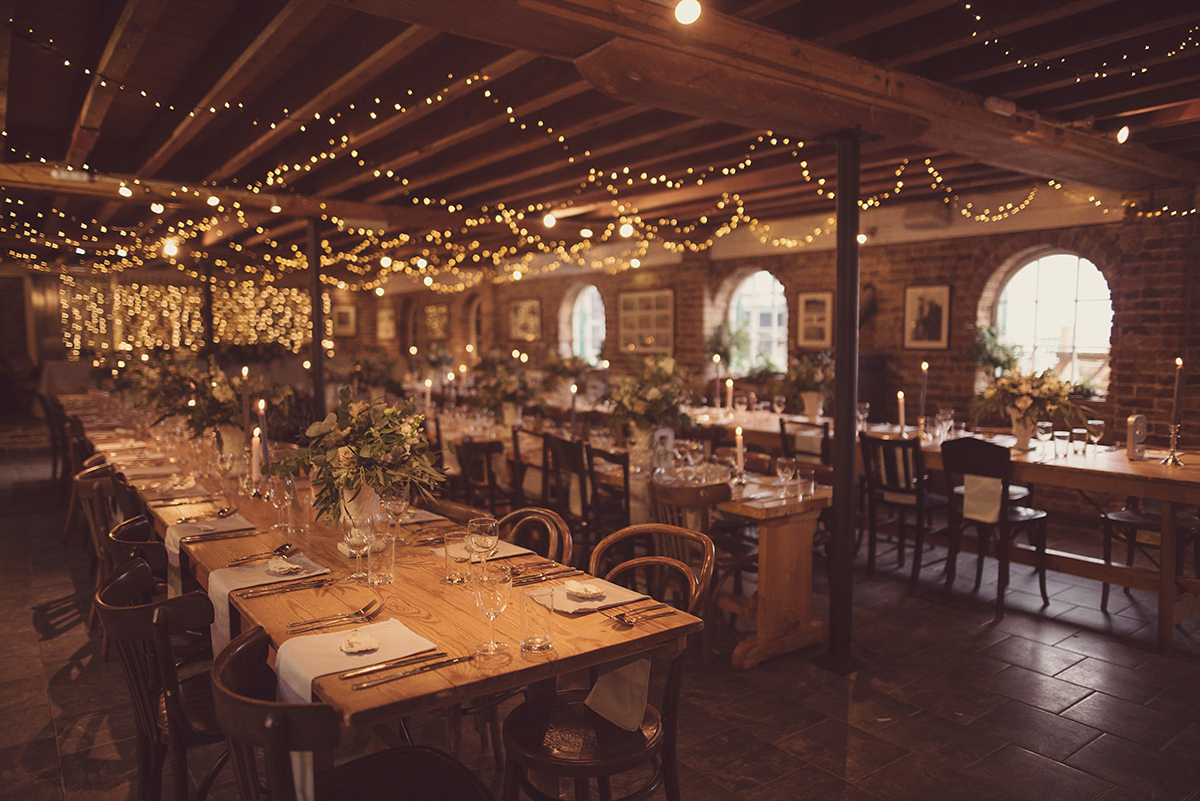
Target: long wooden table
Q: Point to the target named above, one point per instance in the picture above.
(1112, 472)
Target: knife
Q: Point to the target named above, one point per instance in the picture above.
(164, 502)
(231, 534)
(536, 578)
(306, 584)
(362, 685)
(403, 661)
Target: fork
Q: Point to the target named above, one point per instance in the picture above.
(629, 619)
(338, 620)
(221, 514)
(282, 550)
(366, 609)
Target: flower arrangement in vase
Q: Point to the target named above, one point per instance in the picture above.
(1026, 398)
(364, 452)
(500, 381)
(808, 378)
(654, 398)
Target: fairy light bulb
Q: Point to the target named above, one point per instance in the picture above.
(687, 11)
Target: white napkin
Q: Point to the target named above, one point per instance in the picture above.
(227, 579)
(176, 532)
(619, 695)
(503, 550)
(614, 595)
(981, 498)
(304, 657)
(422, 516)
(149, 471)
(176, 494)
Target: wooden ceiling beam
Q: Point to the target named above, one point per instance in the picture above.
(873, 23)
(6, 12)
(764, 8)
(133, 27)
(364, 72)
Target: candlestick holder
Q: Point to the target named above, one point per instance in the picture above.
(1172, 458)
(922, 434)
(739, 477)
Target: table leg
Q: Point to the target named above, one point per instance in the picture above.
(784, 612)
(1167, 593)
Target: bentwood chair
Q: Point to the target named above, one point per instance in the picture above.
(255, 724)
(96, 494)
(896, 478)
(985, 471)
(815, 435)
(1139, 526)
(559, 735)
(608, 476)
(172, 709)
(528, 466)
(567, 485)
(134, 538)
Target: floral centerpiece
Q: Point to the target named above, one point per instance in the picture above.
(361, 453)
(808, 378)
(499, 382)
(1026, 398)
(654, 398)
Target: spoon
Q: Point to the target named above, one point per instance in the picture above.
(222, 513)
(282, 550)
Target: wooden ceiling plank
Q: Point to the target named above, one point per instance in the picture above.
(764, 8)
(289, 23)
(383, 59)
(133, 27)
(6, 12)
(878, 22)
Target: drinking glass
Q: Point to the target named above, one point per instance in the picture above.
(280, 491)
(740, 403)
(864, 409)
(1078, 440)
(492, 585)
(1095, 430)
(1044, 430)
(1062, 443)
(785, 468)
(357, 536)
(778, 402)
(483, 535)
(457, 556)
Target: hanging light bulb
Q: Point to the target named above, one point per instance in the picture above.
(549, 220)
(687, 11)
(626, 230)
(170, 248)
(1123, 135)
(157, 208)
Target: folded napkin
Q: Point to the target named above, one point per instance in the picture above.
(176, 532)
(503, 551)
(302, 658)
(614, 595)
(131, 457)
(981, 498)
(169, 493)
(422, 516)
(227, 579)
(619, 695)
(136, 471)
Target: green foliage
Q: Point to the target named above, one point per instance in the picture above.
(812, 371)
(1028, 398)
(991, 354)
(499, 380)
(654, 398)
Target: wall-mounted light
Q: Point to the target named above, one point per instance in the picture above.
(687, 11)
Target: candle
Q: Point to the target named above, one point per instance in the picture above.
(900, 403)
(741, 450)
(266, 445)
(574, 398)
(255, 456)
(728, 393)
(246, 404)
(428, 394)
(924, 385)
(1178, 391)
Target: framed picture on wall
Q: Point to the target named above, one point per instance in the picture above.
(815, 312)
(646, 323)
(525, 320)
(385, 323)
(927, 317)
(345, 320)
(437, 320)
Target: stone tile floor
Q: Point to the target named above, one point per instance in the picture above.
(1059, 703)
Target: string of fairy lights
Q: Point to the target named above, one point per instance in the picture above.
(452, 261)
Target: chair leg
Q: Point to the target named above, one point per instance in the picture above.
(604, 788)
(207, 784)
(454, 730)
(1041, 562)
(917, 551)
(511, 790)
(1108, 535)
(872, 537)
(492, 717)
(583, 789)
(179, 768)
(953, 547)
(982, 538)
(901, 538)
(1002, 554)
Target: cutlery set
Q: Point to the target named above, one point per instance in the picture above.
(282, 550)
(537, 578)
(231, 534)
(221, 514)
(279, 589)
(362, 685)
(631, 616)
(364, 615)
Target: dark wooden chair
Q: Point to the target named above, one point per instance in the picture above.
(254, 723)
(790, 430)
(135, 538)
(56, 424)
(529, 458)
(559, 735)
(608, 475)
(1132, 523)
(481, 462)
(567, 487)
(172, 710)
(896, 478)
(985, 470)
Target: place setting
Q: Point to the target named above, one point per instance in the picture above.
(260, 571)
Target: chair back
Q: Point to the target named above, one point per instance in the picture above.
(78, 446)
(478, 460)
(244, 696)
(126, 607)
(687, 505)
(608, 475)
(984, 469)
(542, 531)
(793, 432)
(894, 469)
(529, 462)
(134, 538)
(567, 478)
(96, 494)
(691, 548)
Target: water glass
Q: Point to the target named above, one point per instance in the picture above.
(1095, 429)
(492, 587)
(778, 402)
(1044, 429)
(457, 556)
(785, 468)
(1062, 444)
(483, 535)
(1079, 440)
(806, 481)
(357, 536)
(381, 558)
(864, 409)
(537, 619)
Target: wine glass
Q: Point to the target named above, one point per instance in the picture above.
(862, 411)
(785, 468)
(357, 536)
(280, 492)
(483, 535)
(1095, 429)
(741, 403)
(398, 508)
(1044, 430)
(492, 586)
(778, 402)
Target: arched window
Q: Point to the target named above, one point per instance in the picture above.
(587, 325)
(1058, 310)
(758, 324)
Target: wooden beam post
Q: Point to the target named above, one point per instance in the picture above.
(318, 322)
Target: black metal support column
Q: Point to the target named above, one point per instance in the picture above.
(841, 545)
(313, 253)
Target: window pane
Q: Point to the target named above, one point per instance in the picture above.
(758, 323)
(587, 325)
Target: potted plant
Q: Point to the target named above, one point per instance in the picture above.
(1025, 399)
(808, 378)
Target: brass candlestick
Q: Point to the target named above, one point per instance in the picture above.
(1172, 458)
